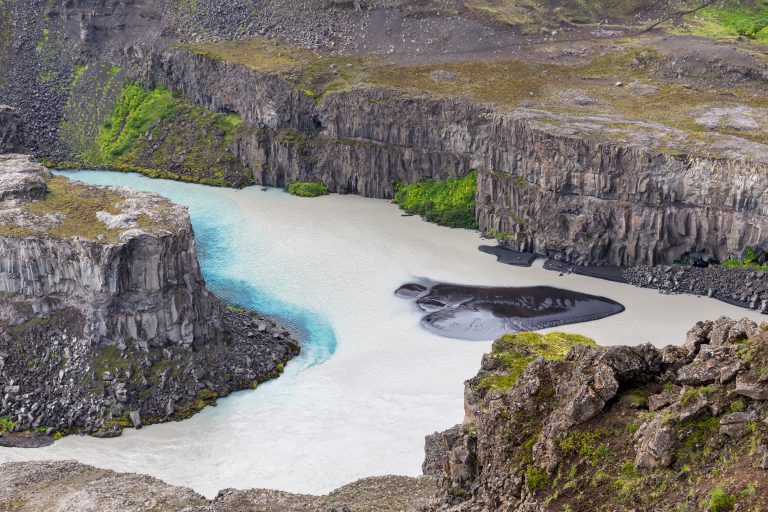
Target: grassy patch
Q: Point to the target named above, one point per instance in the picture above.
(750, 261)
(536, 478)
(515, 351)
(156, 133)
(721, 501)
(449, 202)
(586, 446)
(732, 19)
(307, 188)
(6, 424)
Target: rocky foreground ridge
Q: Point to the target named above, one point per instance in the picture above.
(616, 428)
(553, 423)
(105, 321)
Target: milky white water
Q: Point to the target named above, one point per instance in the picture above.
(371, 382)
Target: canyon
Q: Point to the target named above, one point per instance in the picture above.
(624, 141)
(622, 188)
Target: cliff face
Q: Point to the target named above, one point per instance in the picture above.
(560, 185)
(10, 129)
(105, 321)
(145, 285)
(617, 428)
(584, 188)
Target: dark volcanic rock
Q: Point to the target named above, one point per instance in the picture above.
(478, 312)
(508, 256)
(10, 129)
(536, 438)
(105, 320)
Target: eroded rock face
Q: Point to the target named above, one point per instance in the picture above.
(10, 129)
(607, 420)
(606, 202)
(145, 285)
(105, 320)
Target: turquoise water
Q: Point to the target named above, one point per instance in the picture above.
(218, 226)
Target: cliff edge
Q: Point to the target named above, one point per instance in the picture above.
(555, 423)
(105, 321)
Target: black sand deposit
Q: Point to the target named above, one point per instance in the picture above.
(508, 256)
(484, 313)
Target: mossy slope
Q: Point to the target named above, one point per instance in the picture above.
(156, 133)
(448, 202)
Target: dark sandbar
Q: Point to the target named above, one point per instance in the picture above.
(484, 313)
(508, 256)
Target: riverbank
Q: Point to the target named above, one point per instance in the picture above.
(742, 287)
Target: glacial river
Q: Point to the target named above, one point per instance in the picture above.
(371, 382)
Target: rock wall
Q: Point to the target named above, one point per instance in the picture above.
(10, 129)
(556, 184)
(109, 328)
(145, 285)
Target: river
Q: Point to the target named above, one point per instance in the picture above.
(371, 382)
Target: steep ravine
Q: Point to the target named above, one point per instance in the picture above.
(615, 190)
(105, 321)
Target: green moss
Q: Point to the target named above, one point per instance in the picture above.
(448, 202)
(720, 501)
(136, 110)
(515, 351)
(109, 359)
(6, 424)
(750, 260)
(586, 446)
(536, 478)
(307, 188)
(732, 18)
(154, 132)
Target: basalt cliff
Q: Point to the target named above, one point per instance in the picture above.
(105, 321)
(587, 149)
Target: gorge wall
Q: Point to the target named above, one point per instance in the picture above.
(586, 189)
(105, 321)
(624, 204)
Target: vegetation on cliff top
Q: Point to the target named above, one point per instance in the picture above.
(515, 351)
(448, 202)
(307, 188)
(584, 85)
(70, 209)
(733, 19)
(156, 133)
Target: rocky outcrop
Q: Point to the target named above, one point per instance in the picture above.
(10, 129)
(600, 428)
(105, 321)
(24, 487)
